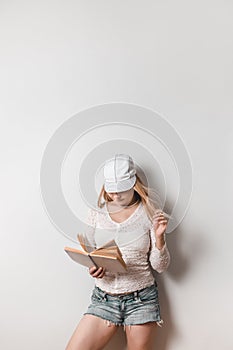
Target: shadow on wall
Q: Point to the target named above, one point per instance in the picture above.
(177, 269)
(182, 261)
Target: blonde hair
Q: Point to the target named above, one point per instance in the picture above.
(142, 194)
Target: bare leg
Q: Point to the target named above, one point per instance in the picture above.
(140, 337)
(92, 333)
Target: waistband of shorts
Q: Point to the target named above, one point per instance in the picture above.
(136, 293)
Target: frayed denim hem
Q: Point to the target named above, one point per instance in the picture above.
(110, 323)
(159, 323)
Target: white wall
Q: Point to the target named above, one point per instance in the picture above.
(61, 57)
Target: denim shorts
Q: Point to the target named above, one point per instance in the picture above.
(138, 307)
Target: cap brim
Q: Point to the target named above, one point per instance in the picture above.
(120, 186)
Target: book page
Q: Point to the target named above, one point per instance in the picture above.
(79, 257)
(109, 263)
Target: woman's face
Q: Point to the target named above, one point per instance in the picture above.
(122, 198)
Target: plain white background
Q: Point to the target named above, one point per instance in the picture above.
(61, 57)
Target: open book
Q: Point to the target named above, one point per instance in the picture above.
(108, 256)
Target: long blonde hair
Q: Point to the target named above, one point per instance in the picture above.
(142, 194)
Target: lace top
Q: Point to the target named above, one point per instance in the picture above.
(136, 239)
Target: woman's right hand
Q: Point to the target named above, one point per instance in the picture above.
(97, 272)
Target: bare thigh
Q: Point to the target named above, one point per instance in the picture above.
(140, 337)
(92, 333)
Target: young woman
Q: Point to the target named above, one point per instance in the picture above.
(130, 298)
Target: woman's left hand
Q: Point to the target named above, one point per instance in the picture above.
(159, 224)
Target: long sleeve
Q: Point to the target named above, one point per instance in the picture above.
(159, 259)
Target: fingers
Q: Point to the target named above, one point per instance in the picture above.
(159, 216)
(97, 272)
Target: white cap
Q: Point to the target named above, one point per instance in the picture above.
(119, 173)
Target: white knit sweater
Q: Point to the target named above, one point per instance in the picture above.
(136, 239)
